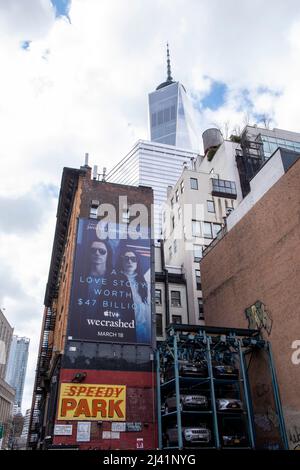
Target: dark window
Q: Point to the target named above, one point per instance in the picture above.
(194, 183)
(175, 298)
(211, 206)
(207, 230)
(176, 195)
(223, 188)
(197, 253)
(216, 229)
(198, 279)
(176, 319)
(182, 186)
(159, 325)
(201, 310)
(196, 228)
(94, 209)
(173, 113)
(160, 117)
(157, 297)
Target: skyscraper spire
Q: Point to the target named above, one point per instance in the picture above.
(169, 76)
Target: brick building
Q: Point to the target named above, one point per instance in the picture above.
(74, 361)
(250, 278)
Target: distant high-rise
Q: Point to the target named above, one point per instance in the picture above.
(171, 114)
(16, 367)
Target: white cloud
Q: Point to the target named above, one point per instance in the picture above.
(82, 87)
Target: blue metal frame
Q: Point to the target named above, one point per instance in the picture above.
(277, 399)
(203, 339)
(212, 393)
(247, 396)
(177, 389)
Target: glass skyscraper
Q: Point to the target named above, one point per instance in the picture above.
(174, 144)
(171, 115)
(17, 365)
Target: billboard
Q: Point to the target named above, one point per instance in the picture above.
(92, 402)
(111, 286)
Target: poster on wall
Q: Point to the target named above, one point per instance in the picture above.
(93, 402)
(83, 431)
(111, 286)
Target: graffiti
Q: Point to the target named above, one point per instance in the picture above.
(263, 422)
(258, 317)
(262, 389)
(294, 437)
(267, 422)
(272, 417)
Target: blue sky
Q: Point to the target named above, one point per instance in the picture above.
(216, 96)
(61, 7)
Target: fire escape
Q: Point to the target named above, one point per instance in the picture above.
(249, 159)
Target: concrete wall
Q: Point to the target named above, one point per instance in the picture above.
(259, 260)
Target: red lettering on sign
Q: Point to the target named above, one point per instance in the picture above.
(114, 407)
(99, 406)
(82, 409)
(67, 404)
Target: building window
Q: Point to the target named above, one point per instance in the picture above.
(211, 206)
(216, 229)
(198, 279)
(182, 186)
(175, 246)
(172, 202)
(125, 216)
(197, 253)
(200, 309)
(170, 251)
(175, 298)
(179, 212)
(164, 217)
(157, 297)
(194, 183)
(177, 319)
(173, 222)
(223, 188)
(159, 325)
(94, 209)
(196, 228)
(176, 195)
(207, 230)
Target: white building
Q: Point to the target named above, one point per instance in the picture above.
(196, 209)
(155, 165)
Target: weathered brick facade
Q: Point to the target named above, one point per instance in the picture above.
(259, 260)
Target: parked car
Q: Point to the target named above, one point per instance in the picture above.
(223, 371)
(229, 404)
(190, 435)
(188, 401)
(186, 369)
(233, 439)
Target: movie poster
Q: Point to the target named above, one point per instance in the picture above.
(111, 288)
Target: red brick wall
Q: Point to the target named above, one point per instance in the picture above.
(259, 259)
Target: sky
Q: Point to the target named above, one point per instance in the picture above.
(75, 77)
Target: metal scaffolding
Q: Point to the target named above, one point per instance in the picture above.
(187, 344)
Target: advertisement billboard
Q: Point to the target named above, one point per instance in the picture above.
(111, 287)
(92, 402)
